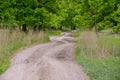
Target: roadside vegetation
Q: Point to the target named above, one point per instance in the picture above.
(99, 56)
(11, 42)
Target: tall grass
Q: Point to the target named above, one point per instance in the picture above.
(99, 56)
(100, 47)
(10, 42)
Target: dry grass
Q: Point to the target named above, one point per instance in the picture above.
(6, 37)
(93, 46)
(10, 42)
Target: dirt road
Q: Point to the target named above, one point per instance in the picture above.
(50, 61)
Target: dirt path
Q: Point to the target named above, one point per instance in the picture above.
(50, 61)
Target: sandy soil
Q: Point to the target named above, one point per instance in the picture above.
(50, 61)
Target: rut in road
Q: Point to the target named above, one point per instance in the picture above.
(50, 61)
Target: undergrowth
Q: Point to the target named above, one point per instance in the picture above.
(100, 57)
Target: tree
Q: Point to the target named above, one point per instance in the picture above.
(60, 14)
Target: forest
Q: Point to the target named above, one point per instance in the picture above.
(38, 15)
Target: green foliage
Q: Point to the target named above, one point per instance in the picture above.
(116, 29)
(105, 12)
(63, 14)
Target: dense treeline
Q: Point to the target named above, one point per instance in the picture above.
(60, 14)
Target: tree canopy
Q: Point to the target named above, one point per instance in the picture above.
(60, 14)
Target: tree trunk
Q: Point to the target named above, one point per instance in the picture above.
(39, 28)
(36, 29)
(73, 27)
(95, 24)
(60, 28)
(24, 28)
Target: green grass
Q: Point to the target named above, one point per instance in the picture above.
(96, 67)
(54, 33)
(76, 33)
(110, 41)
(112, 45)
(10, 43)
(101, 69)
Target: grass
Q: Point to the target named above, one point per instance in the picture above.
(100, 57)
(54, 33)
(101, 69)
(76, 33)
(11, 42)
